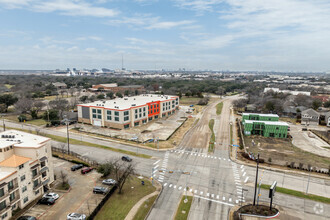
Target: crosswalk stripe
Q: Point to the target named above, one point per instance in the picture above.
(165, 184)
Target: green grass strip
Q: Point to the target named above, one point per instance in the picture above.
(212, 140)
(183, 209)
(298, 194)
(144, 208)
(231, 134)
(219, 108)
(77, 142)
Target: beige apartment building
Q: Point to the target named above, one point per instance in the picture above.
(26, 169)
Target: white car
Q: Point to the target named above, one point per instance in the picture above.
(76, 216)
(51, 196)
(109, 182)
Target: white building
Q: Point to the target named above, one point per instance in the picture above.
(277, 90)
(128, 111)
(26, 169)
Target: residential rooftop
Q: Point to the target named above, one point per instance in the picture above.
(14, 161)
(5, 174)
(128, 102)
(281, 123)
(265, 115)
(20, 139)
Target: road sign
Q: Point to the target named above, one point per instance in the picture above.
(272, 189)
(235, 145)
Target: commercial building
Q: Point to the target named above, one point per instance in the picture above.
(113, 87)
(275, 129)
(259, 117)
(26, 169)
(277, 90)
(128, 111)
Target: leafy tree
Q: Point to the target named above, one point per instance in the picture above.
(136, 92)
(83, 98)
(8, 100)
(327, 104)
(106, 169)
(100, 96)
(52, 115)
(21, 118)
(270, 106)
(110, 95)
(316, 104)
(126, 92)
(118, 94)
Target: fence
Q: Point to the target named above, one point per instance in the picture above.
(87, 160)
(101, 204)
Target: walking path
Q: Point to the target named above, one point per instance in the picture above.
(136, 207)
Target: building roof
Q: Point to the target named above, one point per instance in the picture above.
(310, 111)
(21, 139)
(281, 123)
(265, 115)
(5, 174)
(58, 84)
(129, 102)
(327, 115)
(108, 85)
(14, 161)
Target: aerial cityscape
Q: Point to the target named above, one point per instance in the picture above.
(174, 109)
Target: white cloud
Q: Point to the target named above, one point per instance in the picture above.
(168, 24)
(11, 4)
(200, 6)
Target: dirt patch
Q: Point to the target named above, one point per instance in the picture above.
(145, 131)
(282, 152)
(255, 210)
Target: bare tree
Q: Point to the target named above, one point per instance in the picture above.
(38, 106)
(24, 105)
(60, 105)
(127, 171)
(63, 177)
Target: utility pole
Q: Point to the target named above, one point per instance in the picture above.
(309, 176)
(256, 183)
(3, 122)
(67, 132)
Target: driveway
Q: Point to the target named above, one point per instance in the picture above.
(307, 141)
(79, 199)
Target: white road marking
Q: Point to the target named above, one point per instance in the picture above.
(214, 200)
(190, 190)
(180, 188)
(198, 154)
(228, 159)
(165, 184)
(155, 167)
(230, 200)
(170, 185)
(174, 187)
(207, 194)
(218, 196)
(236, 201)
(244, 173)
(161, 180)
(156, 162)
(195, 191)
(215, 157)
(246, 179)
(208, 156)
(201, 193)
(212, 157)
(223, 198)
(242, 166)
(212, 195)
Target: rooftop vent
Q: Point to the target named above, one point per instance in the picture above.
(133, 104)
(125, 98)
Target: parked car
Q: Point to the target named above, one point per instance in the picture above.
(46, 201)
(109, 182)
(99, 189)
(86, 170)
(26, 217)
(51, 195)
(126, 158)
(76, 167)
(304, 129)
(76, 216)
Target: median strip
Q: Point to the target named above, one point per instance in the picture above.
(298, 194)
(77, 142)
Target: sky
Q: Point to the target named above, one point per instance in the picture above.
(261, 35)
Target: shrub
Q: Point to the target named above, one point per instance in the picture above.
(270, 160)
(21, 118)
(261, 160)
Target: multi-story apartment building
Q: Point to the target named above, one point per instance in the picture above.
(26, 169)
(128, 111)
(259, 117)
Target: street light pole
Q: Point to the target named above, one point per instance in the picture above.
(67, 132)
(256, 183)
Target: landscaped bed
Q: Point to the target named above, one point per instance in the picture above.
(260, 210)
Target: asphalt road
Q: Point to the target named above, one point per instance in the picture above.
(215, 181)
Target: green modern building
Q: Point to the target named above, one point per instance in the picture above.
(275, 129)
(259, 117)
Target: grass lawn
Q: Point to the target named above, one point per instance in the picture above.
(212, 140)
(291, 120)
(144, 209)
(77, 142)
(53, 97)
(9, 86)
(231, 134)
(184, 208)
(189, 100)
(219, 108)
(63, 187)
(118, 206)
(298, 194)
(38, 122)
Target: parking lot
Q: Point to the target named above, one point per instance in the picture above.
(80, 198)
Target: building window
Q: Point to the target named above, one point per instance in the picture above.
(2, 205)
(136, 116)
(156, 116)
(144, 109)
(99, 116)
(116, 113)
(23, 178)
(144, 121)
(24, 189)
(140, 115)
(136, 111)
(126, 126)
(2, 192)
(144, 114)
(34, 172)
(98, 111)
(150, 118)
(109, 118)
(140, 109)
(10, 185)
(136, 123)
(4, 216)
(108, 112)
(35, 183)
(94, 110)
(94, 116)
(44, 174)
(126, 112)
(42, 164)
(279, 135)
(116, 118)
(37, 192)
(26, 199)
(21, 166)
(11, 196)
(126, 118)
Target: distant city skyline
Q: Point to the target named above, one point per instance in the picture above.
(251, 35)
